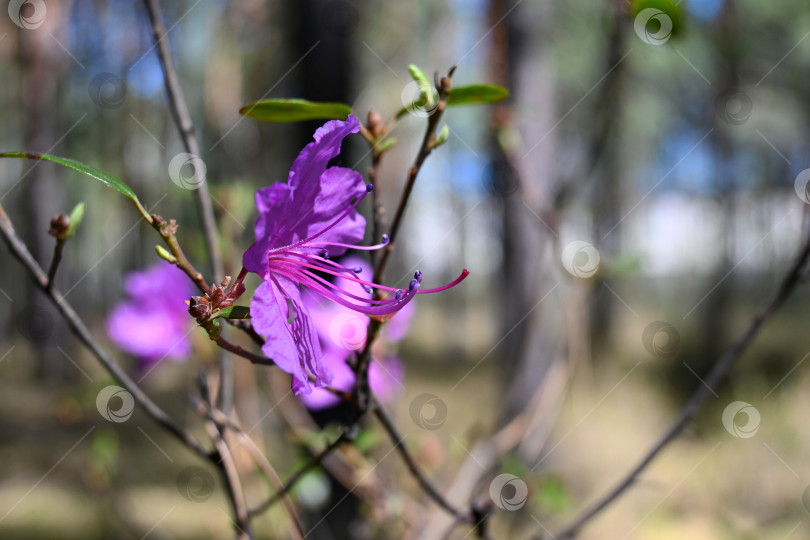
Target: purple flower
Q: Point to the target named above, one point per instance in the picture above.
(342, 331)
(153, 322)
(301, 224)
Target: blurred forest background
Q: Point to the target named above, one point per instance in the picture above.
(677, 161)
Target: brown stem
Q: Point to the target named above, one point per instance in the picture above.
(413, 466)
(721, 368)
(377, 208)
(289, 484)
(428, 143)
(239, 351)
(424, 151)
(57, 258)
(182, 119)
(224, 460)
(247, 328)
(168, 231)
(258, 457)
(78, 327)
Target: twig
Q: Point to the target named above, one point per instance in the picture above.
(699, 397)
(258, 457)
(227, 466)
(57, 258)
(182, 118)
(428, 144)
(340, 465)
(78, 327)
(239, 351)
(247, 328)
(168, 230)
(413, 467)
(289, 484)
(424, 151)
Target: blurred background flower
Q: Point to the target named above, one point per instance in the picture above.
(152, 323)
(342, 333)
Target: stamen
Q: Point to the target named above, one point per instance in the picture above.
(459, 279)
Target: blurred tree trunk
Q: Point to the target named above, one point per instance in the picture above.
(717, 304)
(521, 62)
(605, 152)
(320, 36)
(40, 194)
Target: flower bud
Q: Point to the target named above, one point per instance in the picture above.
(59, 226)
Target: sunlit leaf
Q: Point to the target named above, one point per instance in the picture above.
(294, 110)
(475, 94)
(92, 172)
(233, 312)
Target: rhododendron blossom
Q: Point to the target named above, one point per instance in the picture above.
(301, 225)
(153, 322)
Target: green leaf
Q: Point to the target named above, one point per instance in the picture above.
(476, 94)
(76, 216)
(233, 312)
(99, 175)
(294, 110)
(106, 179)
(655, 21)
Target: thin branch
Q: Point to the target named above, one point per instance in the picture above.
(168, 230)
(57, 258)
(428, 142)
(230, 477)
(724, 364)
(414, 468)
(247, 328)
(259, 458)
(289, 484)
(20, 251)
(182, 119)
(239, 351)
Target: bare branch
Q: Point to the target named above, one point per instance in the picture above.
(78, 327)
(289, 484)
(721, 368)
(182, 118)
(414, 468)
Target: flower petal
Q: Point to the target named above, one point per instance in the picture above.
(312, 161)
(313, 197)
(339, 188)
(294, 347)
(343, 379)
